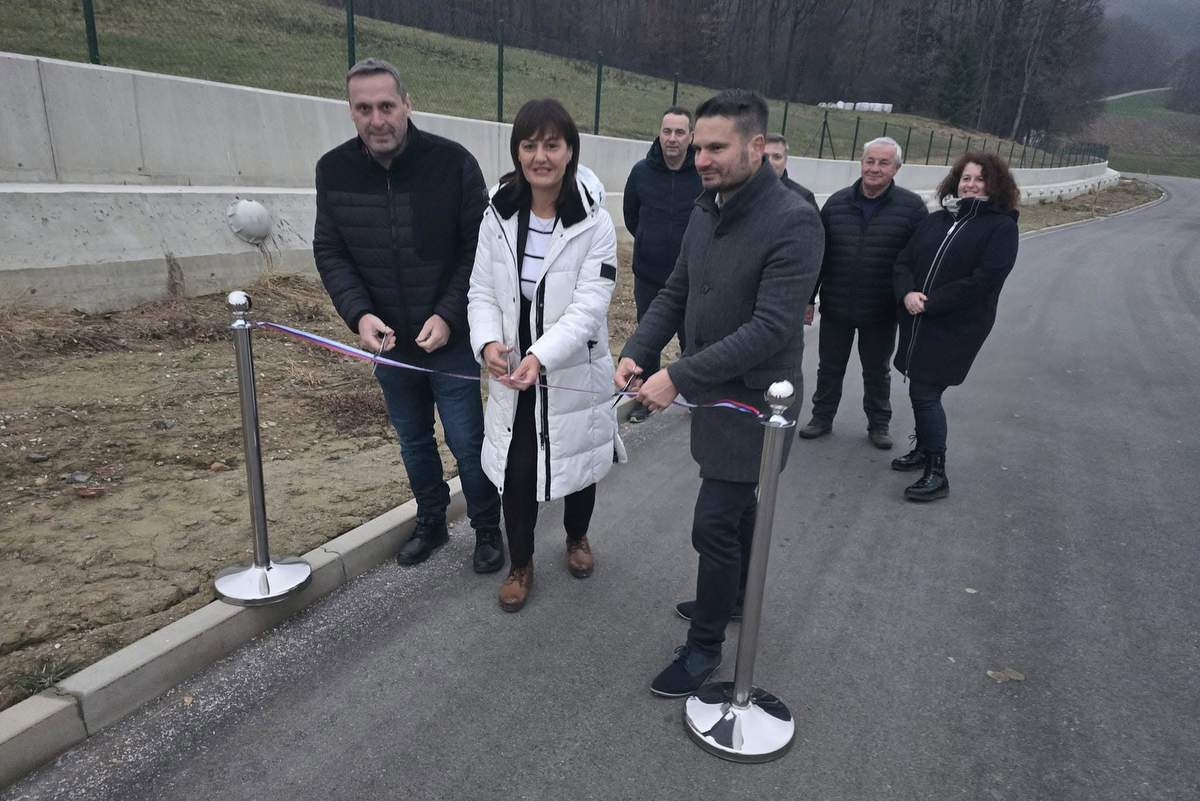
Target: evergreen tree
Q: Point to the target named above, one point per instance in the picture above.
(958, 99)
(1185, 89)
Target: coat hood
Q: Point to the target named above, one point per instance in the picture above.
(655, 158)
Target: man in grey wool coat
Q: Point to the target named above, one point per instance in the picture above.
(747, 267)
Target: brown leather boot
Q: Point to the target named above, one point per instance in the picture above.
(579, 558)
(515, 589)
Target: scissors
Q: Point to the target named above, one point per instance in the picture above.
(375, 363)
(623, 390)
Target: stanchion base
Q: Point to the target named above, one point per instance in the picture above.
(758, 732)
(250, 585)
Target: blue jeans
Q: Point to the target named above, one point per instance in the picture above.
(410, 398)
(929, 415)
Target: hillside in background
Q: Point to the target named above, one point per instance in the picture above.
(1146, 136)
(300, 46)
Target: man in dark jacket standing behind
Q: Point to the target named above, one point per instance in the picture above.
(398, 214)
(777, 156)
(659, 195)
(749, 260)
(867, 224)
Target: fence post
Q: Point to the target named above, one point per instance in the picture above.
(824, 125)
(1012, 149)
(1023, 146)
(983, 147)
(949, 142)
(908, 139)
(929, 147)
(885, 122)
(854, 144)
(89, 24)
(967, 149)
(500, 70)
(675, 91)
(599, 86)
(783, 129)
(350, 59)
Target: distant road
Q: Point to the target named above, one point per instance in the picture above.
(1138, 92)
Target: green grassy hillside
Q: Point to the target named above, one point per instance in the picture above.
(300, 46)
(1146, 136)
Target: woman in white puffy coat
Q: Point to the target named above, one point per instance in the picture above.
(544, 274)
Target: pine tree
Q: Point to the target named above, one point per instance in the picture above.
(958, 99)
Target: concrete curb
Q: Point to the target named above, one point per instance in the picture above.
(1076, 223)
(40, 728)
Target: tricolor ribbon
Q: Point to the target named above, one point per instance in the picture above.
(371, 358)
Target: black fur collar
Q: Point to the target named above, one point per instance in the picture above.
(510, 198)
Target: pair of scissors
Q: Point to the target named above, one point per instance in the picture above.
(623, 390)
(375, 363)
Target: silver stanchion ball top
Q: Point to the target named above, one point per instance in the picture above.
(780, 396)
(240, 301)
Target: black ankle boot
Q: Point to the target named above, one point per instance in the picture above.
(933, 484)
(489, 550)
(913, 460)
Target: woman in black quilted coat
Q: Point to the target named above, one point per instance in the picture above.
(947, 282)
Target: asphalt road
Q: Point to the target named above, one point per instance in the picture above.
(1067, 551)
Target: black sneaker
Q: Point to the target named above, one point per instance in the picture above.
(489, 551)
(688, 672)
(638, 413)
(687, 610)
(426, 538)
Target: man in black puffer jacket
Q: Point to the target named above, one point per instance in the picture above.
(866, 225)
(398, 213)
(659, 196)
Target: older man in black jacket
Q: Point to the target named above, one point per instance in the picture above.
(398, 214)
(658, 200)
(867, 224)
(749, 260)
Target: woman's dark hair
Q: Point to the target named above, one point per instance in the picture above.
(1001, 188)
(540, 119)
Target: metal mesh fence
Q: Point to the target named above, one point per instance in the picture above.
(305, 46)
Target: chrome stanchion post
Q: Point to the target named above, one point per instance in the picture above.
(736, 720)
(265, 581)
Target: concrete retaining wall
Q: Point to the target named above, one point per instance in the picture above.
(114, 182)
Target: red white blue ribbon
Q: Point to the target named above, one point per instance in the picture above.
(371, 358)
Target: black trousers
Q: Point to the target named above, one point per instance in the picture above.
(644, 293)
(929, 415)
(520, 489)
(722, 530)
(876, 341)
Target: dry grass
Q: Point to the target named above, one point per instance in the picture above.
(1125, 195)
